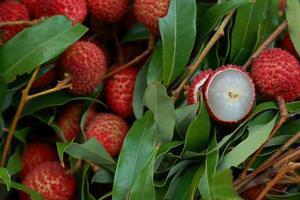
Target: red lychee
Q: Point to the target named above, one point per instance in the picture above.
(148, 12)
(50, 180)
(11, 11)
(110, 130)
(69, 119)
(36, 153)
(108, 11)
(46, 79)
(276, 73)
(288, 45)
(86, 65)
(119, 91)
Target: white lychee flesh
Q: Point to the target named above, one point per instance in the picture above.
(230, 95)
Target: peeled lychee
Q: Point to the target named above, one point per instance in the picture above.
(108, 11)
(11, 11)
(86, 65)
(110, 130)
(276, 73)
(148, 12)
(229, 94)
(46, 79)
(36, 153)
(288, 45)
(69, 119)
(50, 180)
(119, 91)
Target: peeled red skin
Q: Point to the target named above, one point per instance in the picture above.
(51, 181)
(86, 65)
(11, 11)
(119, 91)
(74, 9)
(108, 11)
(110, 130)
(36, 153)
(276, 73)
(148, 12)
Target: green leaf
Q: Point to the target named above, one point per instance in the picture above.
(198, 132)
(293, 17)
(137, 148)
(156, 64)
(21, 135)
(26, 51)
(138, 32)
(143, 188)
(61, 148)
(5, 177)
(184, 116)
(91, 150)
(3, 88)
(34, 195)
(294, 196)
(211, 162)
(103, 176)
(14, 163)
(85, 187)
(139, 91)
(257, 136)
(162, 106)
(179, 24)
(222, 186)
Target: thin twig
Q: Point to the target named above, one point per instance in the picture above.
(22, 22)
(267, 42)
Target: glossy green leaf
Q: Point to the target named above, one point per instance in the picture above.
(5, 177)
(156, 64)
(61, 148)
(184, 116)
(179, 24)
(143, 188)
(293, 17)
(257, 136)
(14, 163)
(103, 176)
(26, 51)
(294, 196)
(162, 106)
(138, 32)
(21, 135)
(137, 148)
(34, 195)
(3, 88)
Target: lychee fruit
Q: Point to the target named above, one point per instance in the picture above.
(74, 9)
(45, 80)
(288, 45)
(86, 65)
(197, 85)
(253, 193)
(110, 130)
(69, 119)
(108, 11)
(36, 153)
(229, 94)
(119, 91)
(276, 73)
(11, 11)
(148, 12)
(50, 180)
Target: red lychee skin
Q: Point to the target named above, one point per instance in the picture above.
(148, 12)
(119, 91)
(86, 65)
(108, 11)
(276, 72)
(69, 119)
(74, 9)
(51, 181)
(11, 11)
(110, 130)
(35, 154)
(288, 45)
(253, 193)
(206, 86)
(45, 80)
(130, 19)
(196, 86)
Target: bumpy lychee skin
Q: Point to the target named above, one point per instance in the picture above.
(86, 65)
(119, 91)
(197, 85)
(108, 11)
(288, 45)
(50, 180)
(148, 12)
(45, 80)
(110, 130)
(229, 94)
(276, 74)
(11, 11)
(69, 119)
(36, 153)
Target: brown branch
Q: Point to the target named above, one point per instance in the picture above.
(267, 42)
(191, 70)
(22, 22)
(151, 45)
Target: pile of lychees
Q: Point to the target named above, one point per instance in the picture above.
(229, 92)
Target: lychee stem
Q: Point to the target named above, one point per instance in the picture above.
(192, 68)
(266, 43)
(22, 22)
(151, 45)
